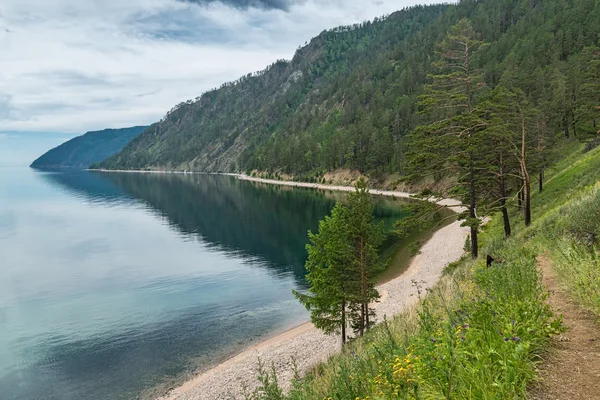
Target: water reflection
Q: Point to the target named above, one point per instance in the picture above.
(265, 221)
(99, 299)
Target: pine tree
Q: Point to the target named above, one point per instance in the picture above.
(501, 162)
(518, 123)
(454, 140)
(329, 253)
(589, 105)
(365, 238)
(343, 261)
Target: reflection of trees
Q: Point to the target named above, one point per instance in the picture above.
(264, 221)
(234, 215)
(90, 186)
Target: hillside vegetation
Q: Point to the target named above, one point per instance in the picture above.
(348, 98)
(482, 331)
(87, 149)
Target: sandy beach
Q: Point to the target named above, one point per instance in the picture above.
(307, 345)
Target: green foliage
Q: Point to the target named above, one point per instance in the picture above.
(422, 214)
(570, 237)
(582, 219)
(414, 248)
(477, 340)
(481, 331)
(348, 98)
(453, 139)
(268, 389)
(365, 239)
(88, 149)
(329, 254)
(343, 263)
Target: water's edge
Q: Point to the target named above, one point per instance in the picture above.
(400, 256)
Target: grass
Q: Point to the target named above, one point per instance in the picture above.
(570, 236)
(481, 331)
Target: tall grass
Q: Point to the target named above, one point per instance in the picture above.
(476, 335)
(571, 237)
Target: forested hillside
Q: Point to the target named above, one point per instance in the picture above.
(348, 99)
(87, 149)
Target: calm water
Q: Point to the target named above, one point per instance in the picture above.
(114, 284)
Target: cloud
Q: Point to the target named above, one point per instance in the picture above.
(78, 65)
(245, 4)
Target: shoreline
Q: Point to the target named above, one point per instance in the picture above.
(450, 203)
(306, 346)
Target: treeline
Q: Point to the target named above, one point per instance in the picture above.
(349, 98)
(496, 140)
(85, 150)
(543, 48)
(493, 140)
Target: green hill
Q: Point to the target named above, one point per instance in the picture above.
(87, 149)
(348, 98)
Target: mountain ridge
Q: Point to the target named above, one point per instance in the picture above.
(348, 99)
(87, 149)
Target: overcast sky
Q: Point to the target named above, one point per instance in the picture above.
(72, 66)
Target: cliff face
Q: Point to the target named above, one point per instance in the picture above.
(84, 150)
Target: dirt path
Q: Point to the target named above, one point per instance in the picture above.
(572, 368)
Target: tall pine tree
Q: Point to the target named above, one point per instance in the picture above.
(453, 141)
(365, 238)
(328, 298)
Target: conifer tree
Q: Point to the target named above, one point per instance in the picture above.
(343, 261)
(328, 297)
(518, 124)
(453, 141)
(365, 238)
(589, 105)
(500, 156)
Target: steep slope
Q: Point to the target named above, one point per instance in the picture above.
(87, 149)
(347, 99)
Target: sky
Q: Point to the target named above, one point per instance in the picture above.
(71, 66)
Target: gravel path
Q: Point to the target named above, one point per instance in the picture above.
(307, 345)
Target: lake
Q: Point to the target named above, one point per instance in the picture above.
(115, 286)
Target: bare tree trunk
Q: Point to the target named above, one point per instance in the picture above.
(542, 179)
(505, 218)
(520, 195)
(361, 326)
(363, 287)
(566, 124)
(527, 195)
(525, 173)
(472, 205)
(343, 322)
